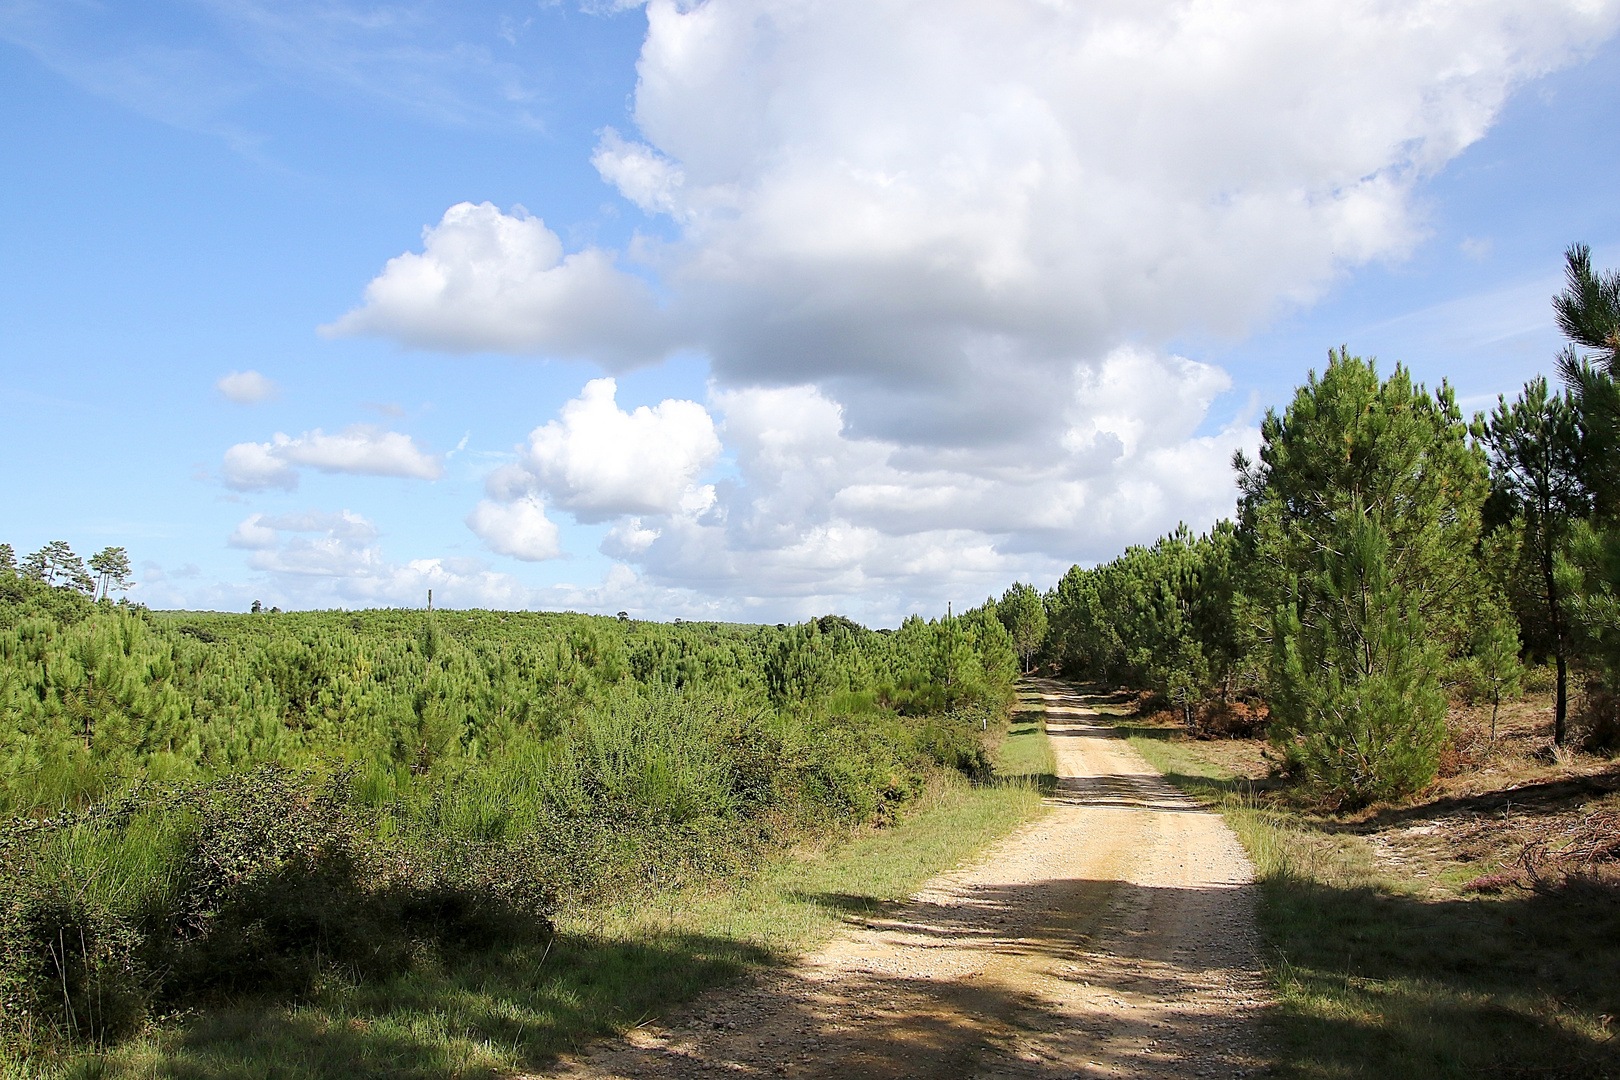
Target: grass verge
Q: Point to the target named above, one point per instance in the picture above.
(1380, 975)
(606, 968)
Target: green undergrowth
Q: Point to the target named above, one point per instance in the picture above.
(202, 813)
(606, 966)
(1381, 976)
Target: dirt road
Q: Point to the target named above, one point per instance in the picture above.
(1113, 936)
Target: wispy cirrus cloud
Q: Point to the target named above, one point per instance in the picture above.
(207, 66)
(247, 387)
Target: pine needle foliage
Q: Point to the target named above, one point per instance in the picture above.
(205, 804)
(1362, 517)
(1356, 701)
(1159, 617)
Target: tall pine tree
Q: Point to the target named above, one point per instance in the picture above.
(1361, 519)
(1536, 463)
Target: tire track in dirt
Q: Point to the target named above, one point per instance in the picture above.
(1112, 937)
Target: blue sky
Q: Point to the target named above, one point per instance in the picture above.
(915, 301)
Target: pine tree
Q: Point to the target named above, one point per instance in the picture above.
(111, 565)
(1588, 311)
(56, 565)
(1593, 570)
(1390, 446)
(1356, 700)
(1536, 459)
(1494, 670)
(1362, 516)
(1023, 613)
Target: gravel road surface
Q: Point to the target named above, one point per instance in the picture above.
(1114, 936)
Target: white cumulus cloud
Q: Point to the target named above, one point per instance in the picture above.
(519, 529)
(255, 467)
(487, 280)
(317, 558)
(642, 175)
(937, 253)
(360, 449)
(919, 198)
(322, 544)
(598, 461)
(928, 207)
(629, 539)
(253, 534)
(818, 517)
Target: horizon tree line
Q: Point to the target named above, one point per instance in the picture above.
(55, 564)
(1385, 554)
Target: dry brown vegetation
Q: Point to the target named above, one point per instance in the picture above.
(1472, 930)
(1513, 812)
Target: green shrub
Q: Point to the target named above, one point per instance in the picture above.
(252, 885)
(953, 741)
(1539, 679)
(215, 807)
(1597, 715)
(75, 966)
(1357, 706)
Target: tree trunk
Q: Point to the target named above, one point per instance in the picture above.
(1560, 716)
(1555, 617)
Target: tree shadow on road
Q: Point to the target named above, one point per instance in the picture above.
(1372, 985)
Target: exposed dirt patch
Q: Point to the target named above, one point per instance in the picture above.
(1507, 812)
(1114, 936)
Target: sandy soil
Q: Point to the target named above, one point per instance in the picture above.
(1114, 936)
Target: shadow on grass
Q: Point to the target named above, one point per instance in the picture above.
(1100, 693)
(1373, 986)
(870, 1022)
(1553, 796)
(1218, 786)
(1487, 987)
(848, 903)
(1147, 731)
(523, 1005)
(1376, 984)
(1027, 723)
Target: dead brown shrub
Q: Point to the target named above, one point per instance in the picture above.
(1586, 853)
(1597, 717)
(1231, 719)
